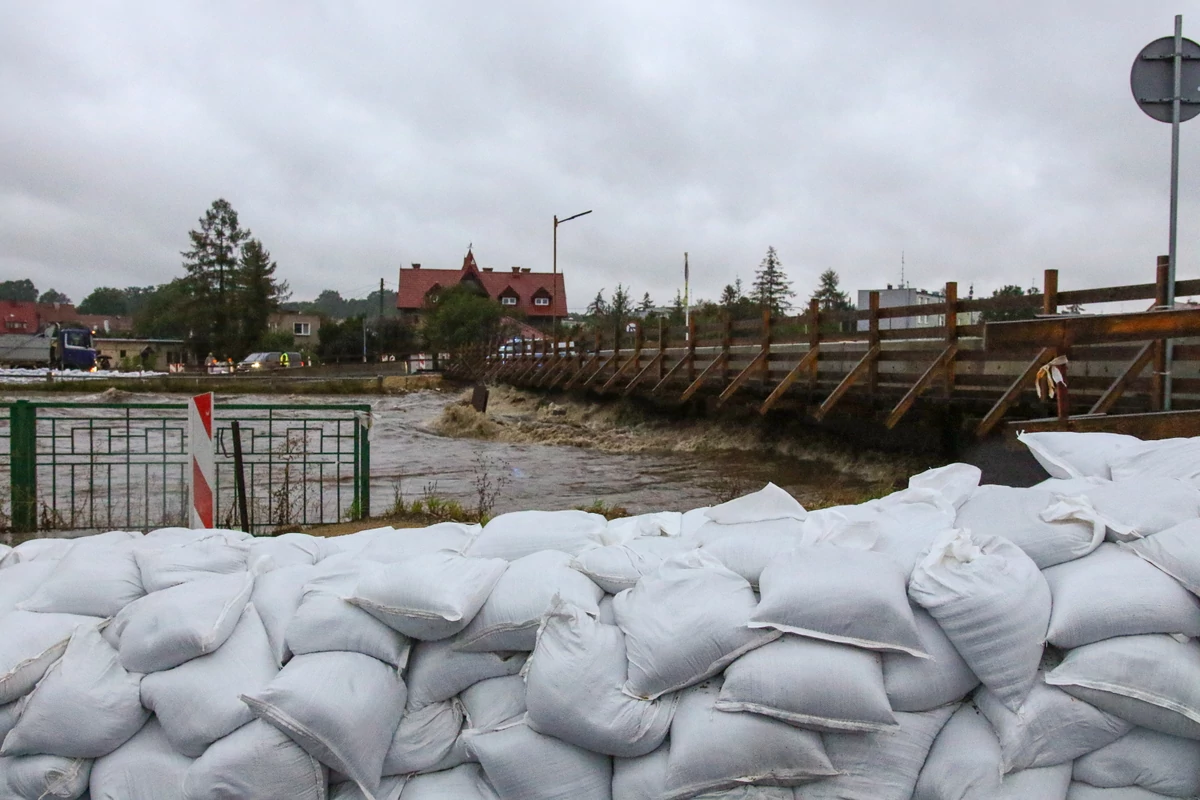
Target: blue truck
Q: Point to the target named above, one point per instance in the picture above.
(55, 347)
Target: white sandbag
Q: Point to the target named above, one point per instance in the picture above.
(389, 789)
(43, 778)
(4, 551)
(992, 602)
(522, 764)
(839, 594)
(1149, 759)
(617, 567)
(29, 643)
(144, 768)
(96, 578)
(684, 623)
(461, 783)
(769, 502)
(1151, 680)
(438, 670)
(1175, 551)
(169, 627)
(641, 778)
(902, 525)
(431, 596)
(8, 717)
(810, 683)
(277, 595)
(20, 581)
(397, 545)
(1051, 728)
(750, 553)
(326, 622)
(256, 762)
(964, 764)
(171, 566)
(36, 550)
(199, 701)
(522, 533)
(1019, 515)
(509, 619)
(661, 523)
(1144, 505)
(1078, 455)
(491, 703)
(713, 750)
(1165, 458)
(882, 765)
(606, 613)
(290, 549)
(342, 708)
(954, 482)
(751, 793)
(923, 684)
(1082, 791)
(1111, 593)
(691, 521)
(425, 739)
(86, 706)
(574, 691)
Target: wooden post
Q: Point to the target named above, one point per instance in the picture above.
(873, 342)
(1050, 292)
(691, 351)
(766, 345)
(662, 347)
(726, 342)
(1158, 386)
(814, 339)
(951, 337)
(638, 340)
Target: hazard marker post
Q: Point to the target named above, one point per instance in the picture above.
(202, 457)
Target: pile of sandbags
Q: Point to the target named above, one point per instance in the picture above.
(948, 642)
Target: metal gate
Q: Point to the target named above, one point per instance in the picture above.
(103, 466)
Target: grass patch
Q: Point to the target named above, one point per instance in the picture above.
(605, 509)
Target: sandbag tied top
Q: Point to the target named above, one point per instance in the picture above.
(1111, 593)
(882, 765)
(98, 577)
(144, 768)
(1151, 680)
(655, 524)
(438, 671)
(1125, 507)
(522, 533)
(769, 502)
(1033, 519)
(715, 750)
(953, 482)
(342, 708)
(162, 568)
(522, 764)
(810, 683)
(1151, 760)
(1079, 455)
(685, 623)
(1175, 551)
(256, 761)
(169, 627)
(923, 684)
(574, 688)
(1052, 728)
(510, 617)
(993, 604)
(431, 596)
(87, 687)
(1165, 458)
(29, 643)
(23, 777)
(839, 594)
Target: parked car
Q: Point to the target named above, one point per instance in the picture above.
(270, 361)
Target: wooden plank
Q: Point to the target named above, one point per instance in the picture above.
(603, 366)
(1045, 355)
(858, 370)
(1114, 392)
(654, 362)
(806, 363)
(873, 340)
(619, 372)
(1153, 425)
(665, 379)
(910, 397)
(741, 378)
(582, 370)
(713, 366)
(951, 321)
(1065, 332)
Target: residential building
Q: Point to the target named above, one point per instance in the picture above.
(538, 296)
(117, 353)
(25, 316)
(896, 296)
(302, 327)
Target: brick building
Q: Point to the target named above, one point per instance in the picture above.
(537, 296)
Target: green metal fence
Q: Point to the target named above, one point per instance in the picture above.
(92, 466)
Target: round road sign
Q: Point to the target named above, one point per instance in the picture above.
(1153, 79)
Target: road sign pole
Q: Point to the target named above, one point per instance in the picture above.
(1176, 96)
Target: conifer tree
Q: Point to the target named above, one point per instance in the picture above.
(771, 285)
(829, 294)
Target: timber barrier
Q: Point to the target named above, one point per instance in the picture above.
(882, 364)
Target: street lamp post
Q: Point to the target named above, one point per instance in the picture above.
(554, 279)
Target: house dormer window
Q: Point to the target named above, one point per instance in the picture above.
(508, 300)
(541, 301)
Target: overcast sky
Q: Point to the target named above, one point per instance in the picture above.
(985, 141)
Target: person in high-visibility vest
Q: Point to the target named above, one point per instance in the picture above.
(283, 360)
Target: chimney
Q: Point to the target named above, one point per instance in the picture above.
(516, 270)
(889, 286)
(416, 266)
(527, 270)
(487, 269)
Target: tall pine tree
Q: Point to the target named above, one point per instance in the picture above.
(211, 267)
(771, 285)
(258, 294)
(829, 294)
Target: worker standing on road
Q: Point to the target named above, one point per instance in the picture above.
(283, 361)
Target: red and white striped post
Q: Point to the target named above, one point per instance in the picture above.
(201, 455)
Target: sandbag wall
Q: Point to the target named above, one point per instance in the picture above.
(951, 641)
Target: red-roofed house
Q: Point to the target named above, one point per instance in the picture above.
(25, 316)
(538, 295)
